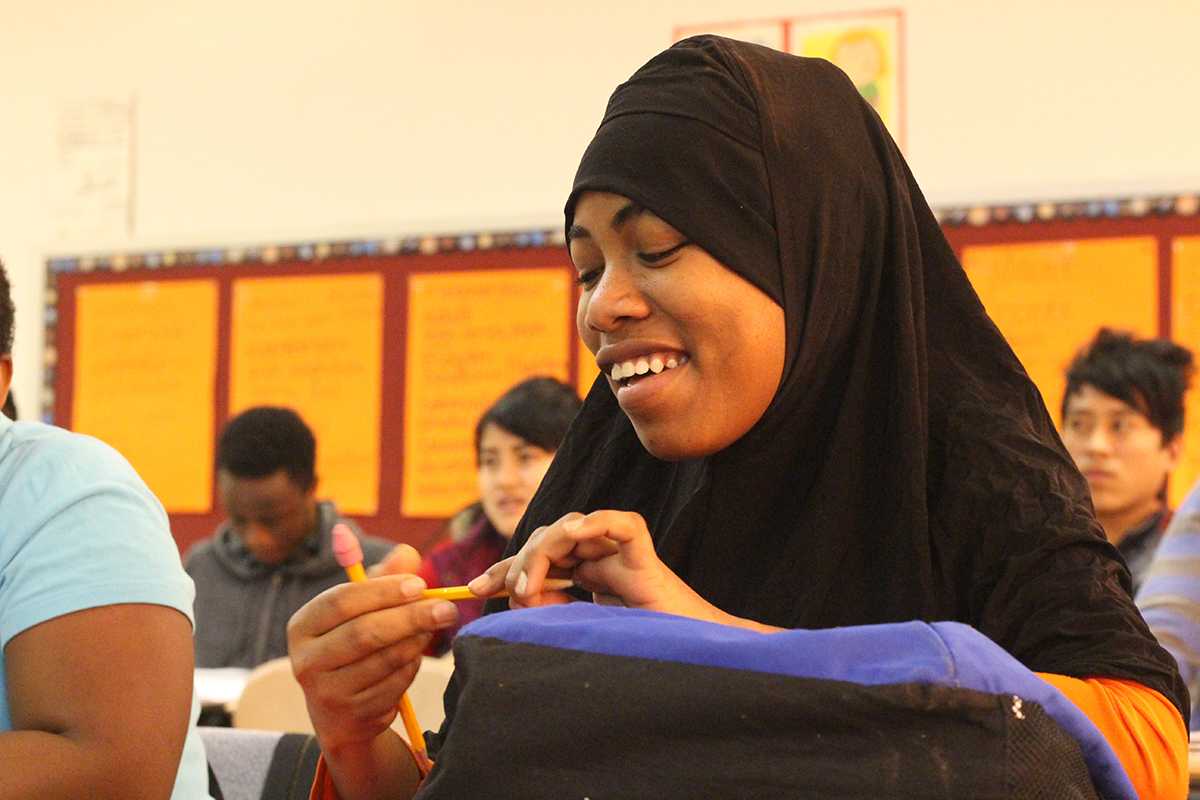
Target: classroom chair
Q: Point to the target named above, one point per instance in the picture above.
(259, 765)
(272, 700)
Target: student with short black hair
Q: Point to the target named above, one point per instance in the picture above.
(1122, 422)
(274, 553)
(96, 668)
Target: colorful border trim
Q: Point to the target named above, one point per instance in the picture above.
(1183, 205)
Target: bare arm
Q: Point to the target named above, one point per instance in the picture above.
(100, 701)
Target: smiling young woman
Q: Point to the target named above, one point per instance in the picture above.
(844, 439)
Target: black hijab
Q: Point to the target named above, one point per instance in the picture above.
(906, 468)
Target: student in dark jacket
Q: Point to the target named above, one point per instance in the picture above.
(274, 553)
(515, 440)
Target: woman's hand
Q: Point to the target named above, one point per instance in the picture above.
(609, 553)
(356, 647)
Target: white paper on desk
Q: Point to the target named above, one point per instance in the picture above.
(220, 686)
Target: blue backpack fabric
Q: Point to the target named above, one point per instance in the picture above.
(581, 700)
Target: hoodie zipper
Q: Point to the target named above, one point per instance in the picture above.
(264, 620)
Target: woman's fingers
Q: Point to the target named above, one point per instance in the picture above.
(622, 527)
(356, 634)
(492, 579)
(370, 632)
(557, 549)
(568, 548)
(548, 547)
(381, 699)
(357, 671)
(346, 601)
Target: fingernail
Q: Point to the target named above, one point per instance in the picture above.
(522, 583)
(444, 613)
(573, 524)
(479, 583)
(412, 586)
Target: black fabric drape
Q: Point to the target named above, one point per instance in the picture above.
(907, 467)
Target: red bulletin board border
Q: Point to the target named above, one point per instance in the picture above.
(539, 249)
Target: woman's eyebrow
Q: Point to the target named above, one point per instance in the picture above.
(623, 215)
(626, 213)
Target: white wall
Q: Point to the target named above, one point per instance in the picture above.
(274, 120)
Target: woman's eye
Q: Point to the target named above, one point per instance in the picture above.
(588, 278)
(657, 257)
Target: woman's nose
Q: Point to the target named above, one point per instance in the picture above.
(615, 298)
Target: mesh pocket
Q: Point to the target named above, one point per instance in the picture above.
(1045, 762)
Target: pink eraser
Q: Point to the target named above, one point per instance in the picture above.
(346, 548)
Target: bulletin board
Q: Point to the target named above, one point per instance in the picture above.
(389, 349)
(1051, 274)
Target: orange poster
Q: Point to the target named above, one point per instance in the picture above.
(1185, 329)
(1049, 298)
(472, 335)
(585, 376)
(315, 344)
(587, 370)
(144, 381)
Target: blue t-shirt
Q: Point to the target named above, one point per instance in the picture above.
(81, 530)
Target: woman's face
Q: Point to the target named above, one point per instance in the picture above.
(693, 351)
(510, 470)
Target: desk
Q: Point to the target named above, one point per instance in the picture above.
(218, 691)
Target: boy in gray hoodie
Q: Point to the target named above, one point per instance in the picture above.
(274, 552)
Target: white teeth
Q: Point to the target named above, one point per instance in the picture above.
(654, 363)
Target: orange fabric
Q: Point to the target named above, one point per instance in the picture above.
(322, 788)
(1142, 727)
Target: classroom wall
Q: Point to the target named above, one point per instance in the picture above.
(276, 121)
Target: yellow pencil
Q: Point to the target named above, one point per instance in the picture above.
(348, 553)
(463, 593)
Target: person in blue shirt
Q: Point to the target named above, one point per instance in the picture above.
(1170, 597)
(96, 667)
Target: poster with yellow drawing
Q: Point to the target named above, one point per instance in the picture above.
(868, 48)
(867, 45)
